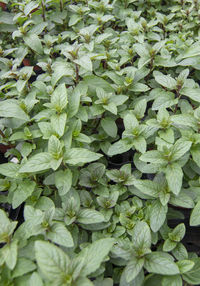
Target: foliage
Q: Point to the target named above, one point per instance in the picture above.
(83, 84)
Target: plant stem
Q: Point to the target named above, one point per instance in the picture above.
(61, 5)
(43, 10)
(77, 73)
(178, 96)
(2, 134)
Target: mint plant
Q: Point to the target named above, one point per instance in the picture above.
(99, 128)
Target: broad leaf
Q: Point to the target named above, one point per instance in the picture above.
(94, 255)
(160, 263)
(76, 156)
(33, 42)
(195, 215)
(133, 268)
(52, 261)
(60, 235)
(174, 176)
(157, 215)
(89, 216)
(38, 162)
(11, 108)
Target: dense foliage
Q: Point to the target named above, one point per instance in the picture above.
(100, 122)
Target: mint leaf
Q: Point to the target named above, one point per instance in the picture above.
(59, 234)
(22, 267)
(89, 216)
(35, 279)
(94, 255)
(174, 280)
(157, 215)
(76, 156)
(11, 108)
(52, 261)
(36, 163)
(174, 176)
(133, 268)
(119, 147)
(33, 42)
(109, 126)
(160, 263)
(147, 187)
(63, 181)
(165, 80)
(23, 191)
(9, 170)
(185, 265)
(141, 236)
(195, 215)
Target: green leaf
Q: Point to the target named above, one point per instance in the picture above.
(55, 163)
(141, 236)
(33, 42)
(11, 108)
(60, 235)
(193, 276)
(89, 216)
(83, 281)
(138, 281)
(58, 123)
(160, 263)
(54, 147)
(111, 107)
(192, 93)
(165, 80)
(157, 215)
(109, 126)
(180, 148)
(63, 181)
(60, 69)
(120, 146)
(30, 7)
(165, 99)
(35, 279)
(52, 261)
(38, 162)
(76, 156)
(195, 215)
(174, 176)
(95, 81)
(174, 280)
(178, 233)
(9, 170)
(169, 245)
(140, 144)
(195, 152)
(9, 253)
(130, 122)
(139, 87)
(104, 282)
(59, 98)
(182, 200)
(23, 266)
(180, 252)
(155, 157)
(185, 265)
(74, 101)
(74, 18)
(85, 62)
(23, 191)
(94, 255)
(4, 219)
(133, 268)
(191, 51)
